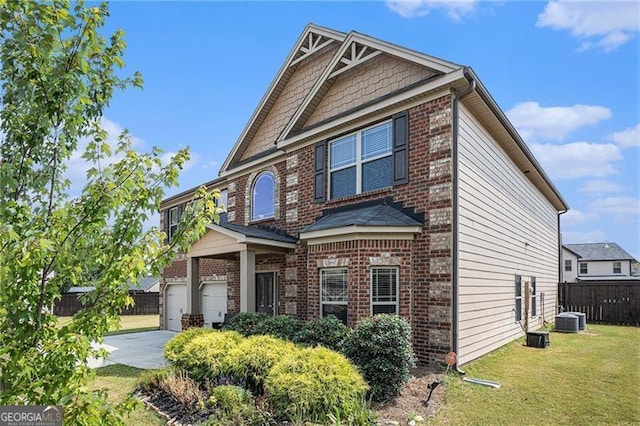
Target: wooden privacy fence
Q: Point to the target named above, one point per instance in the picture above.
(144, 304)
(607, 302)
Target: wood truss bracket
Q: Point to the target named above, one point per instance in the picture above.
(312, 43)
(353, 56)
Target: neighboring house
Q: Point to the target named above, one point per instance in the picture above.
(595, 261)
(146, 285)
(372, 178)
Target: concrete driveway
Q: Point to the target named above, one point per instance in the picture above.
(142, 350)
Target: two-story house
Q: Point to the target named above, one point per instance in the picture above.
(595, 261)
(373, 178)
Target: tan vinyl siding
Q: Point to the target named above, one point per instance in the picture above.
(213, 243)
(506, 227)
(289, 100)
(374, 78)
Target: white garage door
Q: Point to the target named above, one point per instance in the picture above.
(176, 304)
(214, 302)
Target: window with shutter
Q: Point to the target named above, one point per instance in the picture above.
(384, 291)
(518, 291)
(319, 166)
(401, 148)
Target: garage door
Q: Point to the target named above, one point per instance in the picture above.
(214, 302)
(176, 304)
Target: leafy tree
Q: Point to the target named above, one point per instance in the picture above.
(58, 73)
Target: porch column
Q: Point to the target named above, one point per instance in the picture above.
(247, 281)
(193, 317)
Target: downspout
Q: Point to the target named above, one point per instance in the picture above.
(457, 97)
(560, 264)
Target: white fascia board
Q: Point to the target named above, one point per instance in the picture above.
(257, 162)
(264, 242)
(416, 91)
(349, 230)
(228, 232)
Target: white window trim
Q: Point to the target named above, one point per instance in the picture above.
(397, 302)
(358, 160)
(570, 265)
(171, 223)
(253, 199)
(580, 268)
(333, 302)
(619, 267)
(518, 298)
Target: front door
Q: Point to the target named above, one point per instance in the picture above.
(265, 292)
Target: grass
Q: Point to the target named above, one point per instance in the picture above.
(128, 323)
(581, 379)
(119, 381)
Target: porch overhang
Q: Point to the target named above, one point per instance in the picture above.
(223, 240)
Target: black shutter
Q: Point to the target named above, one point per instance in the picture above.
(534, 312)
(518, 289)
(166, 225)
(319, 167)
(400, 148)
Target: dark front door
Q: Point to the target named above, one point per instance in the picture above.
(265, 292)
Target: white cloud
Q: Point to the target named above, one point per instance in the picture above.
(576, 217)
(571, 237)
(577, 159)
(534, 121)
(600, 24)
(623, 208)
(600, 187)
(455, 10)
(627, 138)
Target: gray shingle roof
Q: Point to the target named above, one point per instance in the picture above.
(599, 251)
(143, 284)
(255, 232)
(378, 215)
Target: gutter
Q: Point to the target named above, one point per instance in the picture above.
(457, 97)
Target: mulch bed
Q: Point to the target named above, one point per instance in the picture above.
(174, 412)
(412, 400)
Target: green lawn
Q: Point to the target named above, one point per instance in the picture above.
(128, 323)
(587, 378)
(119, 381)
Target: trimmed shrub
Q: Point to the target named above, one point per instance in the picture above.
(380, 347)
(205, 356)
(247, 323)
(252, 359)
(174, 347)
(282, 327)
(230, 398)
(313, 383)
(329, 332)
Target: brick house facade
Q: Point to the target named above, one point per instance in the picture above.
(332, 87)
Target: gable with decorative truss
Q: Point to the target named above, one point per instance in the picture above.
(364, 69)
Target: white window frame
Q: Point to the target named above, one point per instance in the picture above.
(253, 196)
(334, 302)
(397, 301)
(619, 267)
(569, 263)
(586, 268)
(358, 160)
(173, 223)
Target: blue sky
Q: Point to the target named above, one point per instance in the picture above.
(566, 73)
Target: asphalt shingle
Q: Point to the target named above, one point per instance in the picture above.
(377, 215)
(599, 251)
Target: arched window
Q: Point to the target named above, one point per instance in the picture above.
(263, 197)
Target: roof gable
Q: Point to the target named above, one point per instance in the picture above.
(313, 39)
(358, 49)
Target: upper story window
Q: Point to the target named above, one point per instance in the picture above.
(583, 268)
(263, 197)
(222, 201)
(174, 220)
(617, 267)
(567, 265)
(361, 161)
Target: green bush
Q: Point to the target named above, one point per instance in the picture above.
(380, 347)
(313, 383)
(329, 332)
(174, 347)
(282, 327)
(230, 398)
(247, 323)
(206, 355)
(252, 359)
